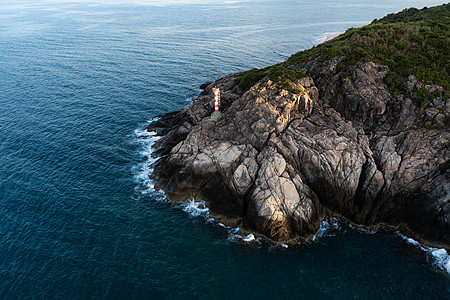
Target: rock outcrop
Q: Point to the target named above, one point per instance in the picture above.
(280, 161)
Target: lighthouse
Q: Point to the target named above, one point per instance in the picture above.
(216, 92)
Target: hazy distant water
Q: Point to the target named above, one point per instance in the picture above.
(79, 81)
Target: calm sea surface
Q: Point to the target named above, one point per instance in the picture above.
(78, 216)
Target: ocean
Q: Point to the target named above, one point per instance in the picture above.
(79, 218)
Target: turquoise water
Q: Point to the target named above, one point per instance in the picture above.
(78, 217)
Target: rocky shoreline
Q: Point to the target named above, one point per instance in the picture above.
(345, 129)
(280, 161)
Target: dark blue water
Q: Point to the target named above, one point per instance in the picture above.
(78, 219)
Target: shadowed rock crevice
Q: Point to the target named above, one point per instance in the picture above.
(280, 161)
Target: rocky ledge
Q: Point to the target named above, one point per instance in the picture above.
(279, 162)
(359, 138)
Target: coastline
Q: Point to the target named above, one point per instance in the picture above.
(328, 36)
(317, 136)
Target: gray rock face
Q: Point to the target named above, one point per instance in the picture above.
(279, 163)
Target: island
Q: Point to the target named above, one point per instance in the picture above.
(356, 128)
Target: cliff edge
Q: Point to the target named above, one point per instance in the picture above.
(355, 128)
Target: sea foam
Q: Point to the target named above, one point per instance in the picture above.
(196, 209)
(327, 229)
(199, 209)
(440, 258)
(328, 36)
(145, 185)
(249, 238)
(144, 169)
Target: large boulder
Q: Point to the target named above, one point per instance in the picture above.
(279, 162)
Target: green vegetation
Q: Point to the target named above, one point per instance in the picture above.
(415, 15)
(412, 42)
(250, 78)
(278, 74)
(424, 97)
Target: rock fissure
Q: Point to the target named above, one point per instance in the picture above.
(279, 163)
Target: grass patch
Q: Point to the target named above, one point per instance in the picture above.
(412, 42)
(278, 74)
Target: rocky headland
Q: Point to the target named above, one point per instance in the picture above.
(351, 128)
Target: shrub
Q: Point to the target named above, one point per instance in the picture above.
(413, 42)
(285, 78)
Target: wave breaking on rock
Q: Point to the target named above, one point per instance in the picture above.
(279, 162)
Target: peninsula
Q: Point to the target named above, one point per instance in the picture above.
(355, 128)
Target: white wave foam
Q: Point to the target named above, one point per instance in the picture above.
(440, 257)
(323, 231)
(328, 36)
(413, 242)
(234, 237)
(326, 229)
(143, 170)
(191, 100)
(145, 185)
(196, 209)
(367, 231)
(249, 238)
(199, 209)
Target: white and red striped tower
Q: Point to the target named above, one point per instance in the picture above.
(216, 92)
